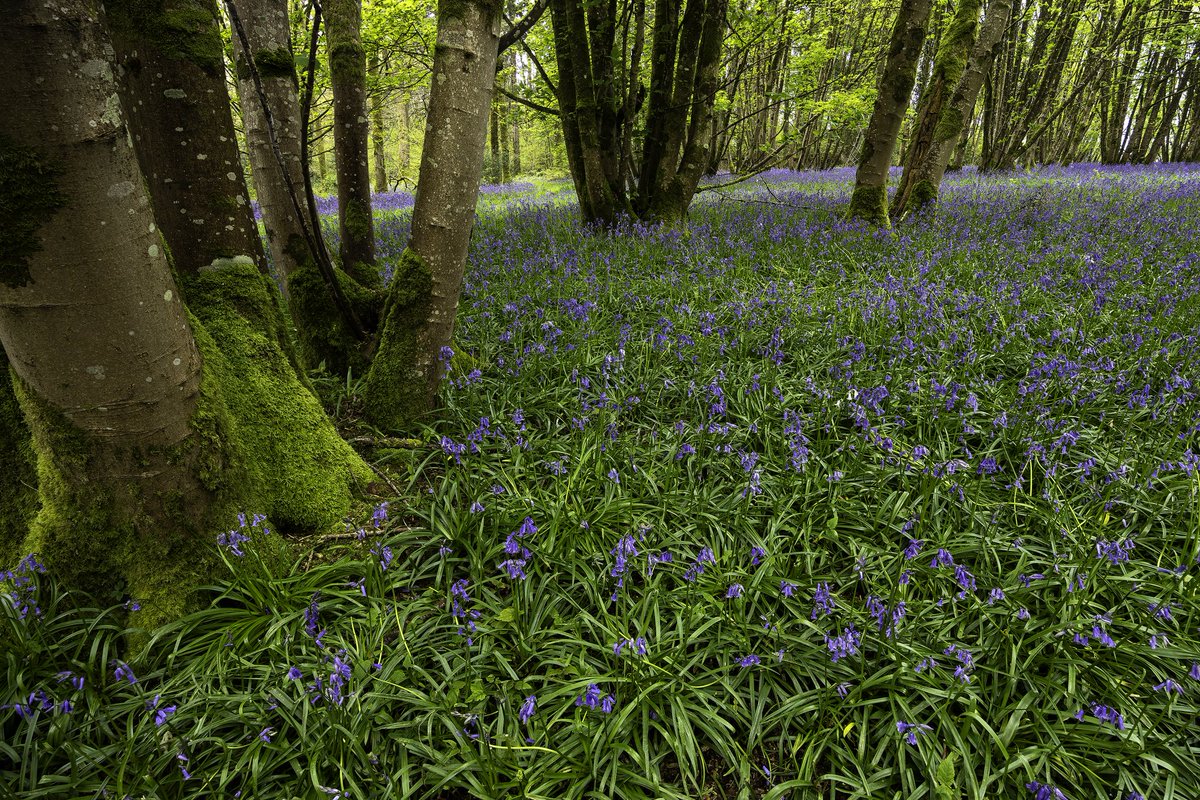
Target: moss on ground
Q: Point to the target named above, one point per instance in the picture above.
(394, 394)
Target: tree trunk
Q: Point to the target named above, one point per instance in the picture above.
(142, 455)
(869, 201)
(418, 322)
(174, 95)
(325, 334)
(18, 479)
(269, 35)
(949, 63)
(927, 176)
(351, 132)
(378, 130)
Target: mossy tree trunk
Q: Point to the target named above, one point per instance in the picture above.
(869, 201)
(351, 137)
(174, 95)
(948, 65)
(107, 370)
(151, 425)
(418, 320)
(18, 478)
(325, 335)
(927, 175)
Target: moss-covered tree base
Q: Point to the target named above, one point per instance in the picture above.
(323, 335)
(395, 391)
(261, 444)
(18, 474)
(870, 204)
(924, 194)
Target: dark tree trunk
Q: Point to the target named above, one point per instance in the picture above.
(351, 132)
(418, 322)
(869, 201)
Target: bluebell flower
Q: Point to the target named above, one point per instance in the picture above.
(265, 734)
(757, 554)
(1045, 791)
(527, 709)
(786, 588)
(160, 716)
(294, 674)
(749, 661)
(590, 696)
(909, 730)
(123, 672)
(823, 602)
(843, 645)
(913, 549)
(1168, 686)
(735, 590)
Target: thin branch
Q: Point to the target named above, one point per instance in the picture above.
(527, 102)
(519, 29)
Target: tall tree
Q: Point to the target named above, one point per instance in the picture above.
(148, 433)
(597, 103)
(928, 172)
(422, 303)
(332, 312)
(869, 201)
(351, 137)
(948, 66)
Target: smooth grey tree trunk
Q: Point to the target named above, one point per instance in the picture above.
(422, 303)
(351, 137)
(174, 96)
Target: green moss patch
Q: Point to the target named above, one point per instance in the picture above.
(323, 335)
(296, 467)
(394, 394)
(18, 477)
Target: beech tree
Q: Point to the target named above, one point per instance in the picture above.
(869, 201)
(351, 136)
(422, 303)
(156, 408)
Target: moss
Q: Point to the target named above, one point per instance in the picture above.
(18, 478)
(394, 392)
(96, 530)
(187, 30)
(28, 196)
(869, 203)
(279, 63)
(260, 443)
(949, 125)
(347, 61)
(297, 469)
(924, 193)
(324, 337)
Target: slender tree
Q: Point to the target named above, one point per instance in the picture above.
(869, 201)
(422, 303)
(351, 137)
(948, 66)
(960, 106)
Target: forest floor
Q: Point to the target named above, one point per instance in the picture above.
(767, 504)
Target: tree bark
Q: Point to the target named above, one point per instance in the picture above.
(869, 201)
(90, 316)
(174, 95)
(378, 129)
(927, 176)
(351, 133)
(418, 321)
(149, 434)
(948, 65)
